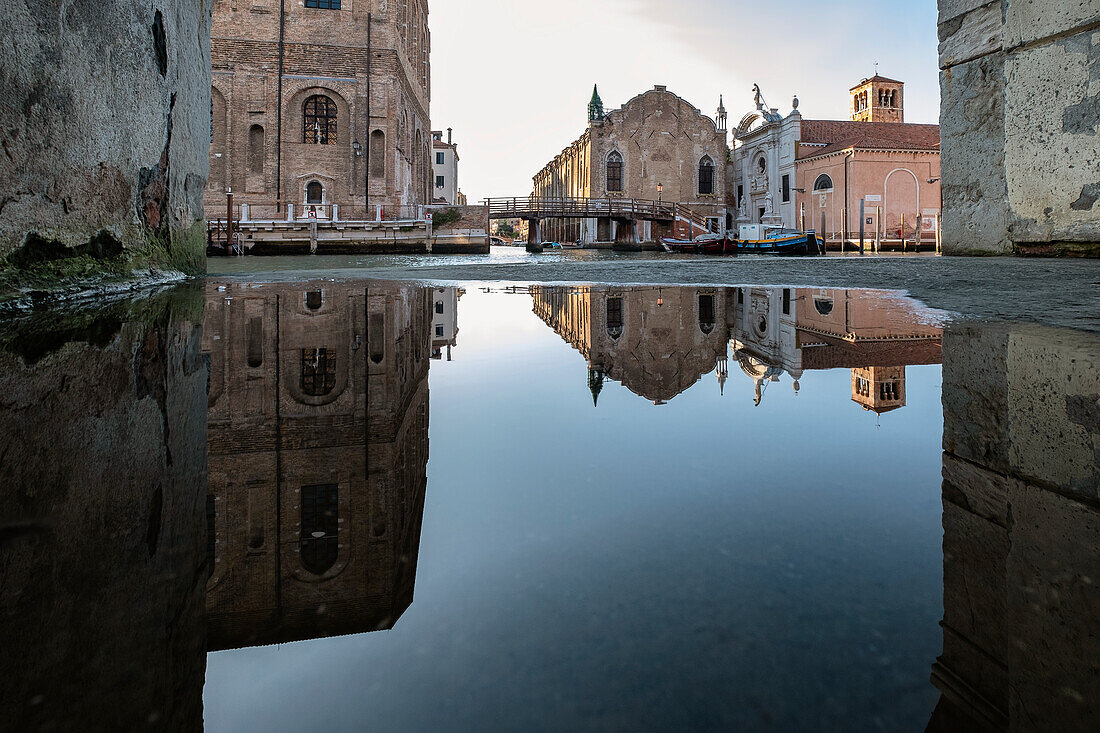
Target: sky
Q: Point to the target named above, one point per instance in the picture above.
(514, 78)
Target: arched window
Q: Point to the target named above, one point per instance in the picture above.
(823, 183)
(320, 519)
(318, 372)
(824, 306)
(615, 317)
(315, 193)
(706, 313)
(319, 121)
(762, 164)
(706, 176)
(615, 172)
(377, 154)
(256, 149)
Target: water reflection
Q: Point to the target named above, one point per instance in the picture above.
(164, 492)
(1021, 520)
(318, 442)
(659, 341)
(101, 527)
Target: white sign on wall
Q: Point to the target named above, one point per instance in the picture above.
(873, 199)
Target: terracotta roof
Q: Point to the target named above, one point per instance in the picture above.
(877, 78)
(838, 135)
(439, 144)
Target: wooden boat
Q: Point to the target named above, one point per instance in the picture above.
(708, 244)
(758, 239)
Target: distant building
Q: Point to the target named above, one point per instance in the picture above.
(656, 146)
(445, 320)
(445, 168)
(315, 104)
(812, 174)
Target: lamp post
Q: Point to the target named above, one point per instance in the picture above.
(660, 190)
(357, 148)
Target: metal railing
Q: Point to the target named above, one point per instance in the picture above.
(543, 207)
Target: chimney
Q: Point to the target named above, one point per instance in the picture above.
(448, 135)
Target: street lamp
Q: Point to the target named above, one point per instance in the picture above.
(660, 190)
(357, 148)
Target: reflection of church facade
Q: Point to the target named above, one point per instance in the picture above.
(317, 435)
(659, 341)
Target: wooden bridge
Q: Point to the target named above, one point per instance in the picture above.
(623, 215)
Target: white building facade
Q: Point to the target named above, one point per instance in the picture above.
(444, 169)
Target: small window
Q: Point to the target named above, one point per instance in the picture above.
(323, 4)
(318, 372)
(439, 332)
(439, 307)
(706, 176)
(786, 301)
(615, 317)
(440, 159)
(377, 154)
(314, 299)
(615, 172)
(786, 189)
(255, 342)
(256, 149)
(440, 181)
(823, 183)
(706, 313)
(762, 165)
(320, 523)
(319, 120)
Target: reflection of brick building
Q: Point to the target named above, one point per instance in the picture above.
(313, 100)
(656, 342)
(317, 435)
(659, 341)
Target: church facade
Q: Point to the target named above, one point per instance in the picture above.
(813, 174)
(657, 146)
(320, 103)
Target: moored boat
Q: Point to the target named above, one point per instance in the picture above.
(759, 239)
(708, 244)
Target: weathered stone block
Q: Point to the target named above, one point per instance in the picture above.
(1027, 21)
(1053, 399)
(1052, 606)
(975, 390)
(105, 124)
(971, 35)
(1052, 97)
(972, 119)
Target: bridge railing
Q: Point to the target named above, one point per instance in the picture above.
(543, 207)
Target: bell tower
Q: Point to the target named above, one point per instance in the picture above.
(878, 99)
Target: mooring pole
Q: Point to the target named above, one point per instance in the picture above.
(862, 221)
(229, 221)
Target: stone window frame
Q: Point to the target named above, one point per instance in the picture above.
(823, 189)
(621, 162)
(713, 176)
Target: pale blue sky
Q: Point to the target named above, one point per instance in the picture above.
(513, 78)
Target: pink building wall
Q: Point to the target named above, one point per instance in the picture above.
(895, 176)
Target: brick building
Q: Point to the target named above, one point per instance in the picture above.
(318, 446)
(656, 146)
(812, 174)
(320, 103)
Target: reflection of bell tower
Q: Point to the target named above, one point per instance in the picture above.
(878, 99)
(879, 389)
(595, 384)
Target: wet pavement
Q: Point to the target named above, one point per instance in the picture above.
(300, 499)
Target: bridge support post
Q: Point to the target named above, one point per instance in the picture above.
(534, 236)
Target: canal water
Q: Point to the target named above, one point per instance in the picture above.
(295, 503)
